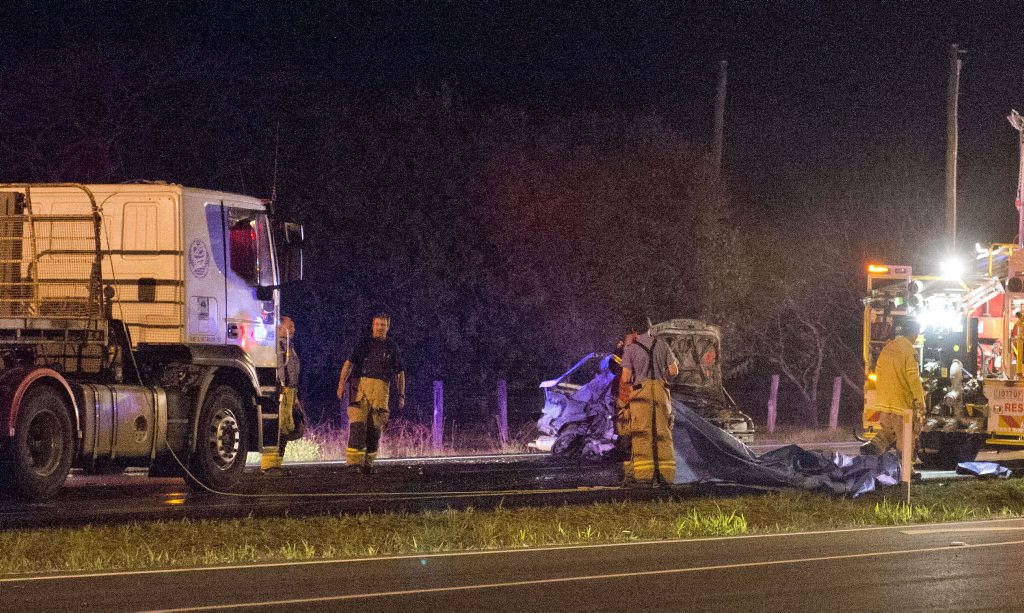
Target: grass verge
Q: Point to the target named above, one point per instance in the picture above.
(185, 543)
(406, 439)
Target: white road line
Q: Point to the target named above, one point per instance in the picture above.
(648, 573)
(978, 529)
(458, 554)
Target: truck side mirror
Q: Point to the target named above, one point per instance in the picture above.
(289, 237)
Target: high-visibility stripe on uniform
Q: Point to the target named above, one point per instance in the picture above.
(354, 456)
(643, 470)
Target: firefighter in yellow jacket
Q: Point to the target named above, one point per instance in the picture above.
(376, 360)
(899, 390)
(647, 364)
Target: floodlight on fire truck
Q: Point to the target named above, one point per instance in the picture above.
(939, 319)
(952, 269)
(1015, 285)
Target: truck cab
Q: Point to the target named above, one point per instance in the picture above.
(146, 315)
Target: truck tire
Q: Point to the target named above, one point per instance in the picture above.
(221, 443)
(944, 450)
(36, 462)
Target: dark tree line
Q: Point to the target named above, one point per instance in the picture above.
(503, 245)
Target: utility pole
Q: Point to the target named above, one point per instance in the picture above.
(719, 119)
(951, 144)
(1017, 121)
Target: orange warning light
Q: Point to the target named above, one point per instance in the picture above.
(878, 269)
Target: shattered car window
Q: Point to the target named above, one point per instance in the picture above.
(584, 372)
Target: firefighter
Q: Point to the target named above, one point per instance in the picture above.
(899, 390)
(647, 364)
(377, 360)
(1017, 342)
(290, 417)
(623, 441)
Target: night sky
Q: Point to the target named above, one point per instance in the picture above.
(818, 92)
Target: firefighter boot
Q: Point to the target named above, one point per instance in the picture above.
(355, 453)
(627, 473)
(270, 459)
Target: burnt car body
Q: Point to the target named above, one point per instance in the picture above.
(579, 406)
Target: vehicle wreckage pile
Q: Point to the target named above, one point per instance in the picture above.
(709, 432)
(579, 406)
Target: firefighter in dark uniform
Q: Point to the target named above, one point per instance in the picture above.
(377, 359)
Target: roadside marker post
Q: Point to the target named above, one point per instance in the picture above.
(437, 429)
(833, 414)
(772, 404)
(907, 452)
(503, 412)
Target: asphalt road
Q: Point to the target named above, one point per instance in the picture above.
(400, 485)
(322, 488)
(944, 567)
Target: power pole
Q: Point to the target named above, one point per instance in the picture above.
(719, 120)
(951, 143)
(1017, 121)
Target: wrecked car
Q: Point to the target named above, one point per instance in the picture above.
(579, 406)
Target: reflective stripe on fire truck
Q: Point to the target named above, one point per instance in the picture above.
(1006, 421)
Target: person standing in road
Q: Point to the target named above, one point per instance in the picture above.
(647, 364)
(899, 390)
(377, 360)
(623, 441)
(290, 417)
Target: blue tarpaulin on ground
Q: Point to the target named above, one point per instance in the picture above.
(983, 469)
(707, 453)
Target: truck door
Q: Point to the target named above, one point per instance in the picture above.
(251, 306)
(206, 257)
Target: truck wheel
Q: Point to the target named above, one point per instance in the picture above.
(222, 441)
(36, 462)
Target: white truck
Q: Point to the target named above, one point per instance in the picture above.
(137, 328)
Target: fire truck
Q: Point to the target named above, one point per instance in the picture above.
(137, 328)
(969, 350)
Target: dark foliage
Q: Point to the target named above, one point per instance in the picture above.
(502, 246)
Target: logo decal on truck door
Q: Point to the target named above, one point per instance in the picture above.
(198, 259)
